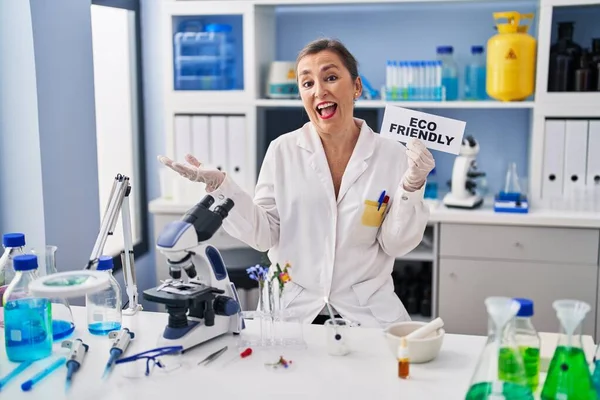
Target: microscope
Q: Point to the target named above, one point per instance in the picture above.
(206, 305)
(463, 192)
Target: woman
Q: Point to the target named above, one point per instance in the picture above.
(316, 202)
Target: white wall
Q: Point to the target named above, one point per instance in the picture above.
(21, 197)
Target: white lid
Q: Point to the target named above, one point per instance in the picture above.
(70, 284)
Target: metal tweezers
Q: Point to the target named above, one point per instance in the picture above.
(213, 356)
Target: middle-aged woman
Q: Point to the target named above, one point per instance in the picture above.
(316, 202)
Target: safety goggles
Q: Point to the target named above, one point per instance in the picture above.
(143, 364)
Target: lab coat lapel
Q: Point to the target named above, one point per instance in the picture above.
(357, 165)
(309, 140)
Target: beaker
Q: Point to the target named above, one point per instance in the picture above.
(500, 372)
(569, 375)
(511, 184)
(62, 317)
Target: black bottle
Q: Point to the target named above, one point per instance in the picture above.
(564, 56)
(584, 73)
(595, 64)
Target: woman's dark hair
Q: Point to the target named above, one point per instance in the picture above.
(319, 45)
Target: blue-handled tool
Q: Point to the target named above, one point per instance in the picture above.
(28, 384)
(122, 339)
(78, 352)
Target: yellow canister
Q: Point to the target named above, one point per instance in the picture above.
(511, 59)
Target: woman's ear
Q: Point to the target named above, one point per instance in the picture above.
(357, 88)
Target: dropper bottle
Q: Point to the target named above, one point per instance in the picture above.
(403, 360)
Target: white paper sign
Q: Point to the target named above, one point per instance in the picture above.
(435, 132)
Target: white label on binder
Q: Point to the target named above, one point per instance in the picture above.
(435, 132)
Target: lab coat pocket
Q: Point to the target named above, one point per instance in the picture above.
(371, 216)
(378, 295)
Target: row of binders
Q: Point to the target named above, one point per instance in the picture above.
(218, 142)
(571, 164)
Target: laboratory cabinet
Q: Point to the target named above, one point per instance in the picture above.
(540, 263)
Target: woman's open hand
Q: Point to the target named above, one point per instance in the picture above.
(420, 163)
(194, 172)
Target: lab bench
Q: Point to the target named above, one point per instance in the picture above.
(543, 255)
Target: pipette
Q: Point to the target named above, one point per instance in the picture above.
(28, 384)
(14, 373)
(122, 339)
(78, 352)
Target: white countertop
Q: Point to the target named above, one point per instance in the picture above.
(440, 213)
(369, 372)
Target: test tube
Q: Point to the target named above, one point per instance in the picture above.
(401, 79)
(439, 89)
(388, 75)
(411, 80)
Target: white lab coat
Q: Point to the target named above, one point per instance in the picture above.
(295, 216)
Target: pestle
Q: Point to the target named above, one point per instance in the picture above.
(425, 330)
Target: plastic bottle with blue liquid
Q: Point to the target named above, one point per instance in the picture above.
(449, 72)
(431, 186)
(475, 75)
(27, 319)
(104, 308)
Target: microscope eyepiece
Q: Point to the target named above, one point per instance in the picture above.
(224, 208)
(207, 201)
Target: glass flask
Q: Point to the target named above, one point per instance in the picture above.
(596, 375)
(569, 376)
(62, 317)
(500, 372)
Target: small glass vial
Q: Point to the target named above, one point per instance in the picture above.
(27, 319)
(528, 341)
(403, 360)
(104, 308)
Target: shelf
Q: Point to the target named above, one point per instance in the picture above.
(273, 103)
(420, 318)
(570, 104)
(371, 2)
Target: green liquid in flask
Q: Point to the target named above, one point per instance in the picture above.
(510, 391)
(509, 368)
(569, 376)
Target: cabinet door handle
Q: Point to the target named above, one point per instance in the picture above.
(452, 275)
(518, 244)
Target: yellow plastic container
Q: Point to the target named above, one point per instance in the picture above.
(511, 59)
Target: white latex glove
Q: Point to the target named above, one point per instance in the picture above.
(194, 171)
(420, 163)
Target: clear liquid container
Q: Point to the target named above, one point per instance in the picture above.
(528, 342)
(569, 375)
(431, 186)
(500, 372)
(28, 319)
(475, 75)
(104, 308)
(14, 245)
(62, 317)
(449, 72)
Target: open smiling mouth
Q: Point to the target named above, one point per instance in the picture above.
(326, 110)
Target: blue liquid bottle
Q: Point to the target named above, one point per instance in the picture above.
(431, 186)
(14, 245)
(104, 308)
(27, 319)
(475, 75)
(449, 72)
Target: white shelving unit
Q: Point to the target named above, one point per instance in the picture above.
(259, 50)
(259, 44)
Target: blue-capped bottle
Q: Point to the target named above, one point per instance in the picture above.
(449, 72)
(14, 245)
(27, 319)
(431, 186)
(104, 308)
(475, 75)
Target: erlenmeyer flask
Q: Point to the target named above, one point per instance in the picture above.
(62, 318)
(500, 372)
(569, 375)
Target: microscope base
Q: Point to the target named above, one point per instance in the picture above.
(470, 202)
(194, 334)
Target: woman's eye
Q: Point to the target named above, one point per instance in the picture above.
(331, 78)
(306, 84)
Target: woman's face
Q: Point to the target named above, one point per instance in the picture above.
(327, 91)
